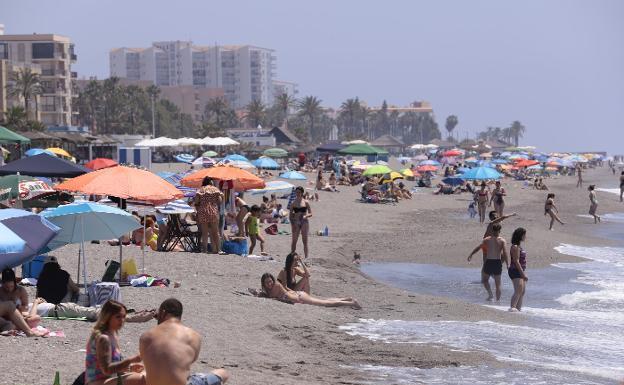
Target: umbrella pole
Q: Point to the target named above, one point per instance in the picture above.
(78, 273)
(143, 245)
(84, 257)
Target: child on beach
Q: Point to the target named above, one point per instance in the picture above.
(472, 211)
(252, 226)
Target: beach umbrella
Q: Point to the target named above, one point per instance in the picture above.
(392, 176)
(378, 169)
(175, 179)
(237, 163)
(236, 157)
(210, 154)
(88, 221)
(447, 160)
(362, 149)
(517, 156)
(485, 163)
(184, 158)
(404, 159)
(430, 162)
(275, 152)
(417, 146)
(44, 165)
(122, 182)
(421, 157)
(295, 175)
(525, 163)
(37, 151)
(453, 152)
(276, 186)
(25, 187)
(179, 206)
(485, 155)
(100, 163)
(499, 161)
(407, 172)
(463, 169)
(534, 167)
(481, 173)
(204, 161)
(453, 181)
(427, 168)
(471, 159)
(241, 179)
(23, 235)
(266, 163)
(59, 151)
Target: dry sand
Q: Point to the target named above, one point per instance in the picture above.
(265, 341)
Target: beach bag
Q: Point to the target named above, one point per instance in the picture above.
(271, 230)
(128, 267)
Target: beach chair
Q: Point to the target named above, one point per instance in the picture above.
(181, 233)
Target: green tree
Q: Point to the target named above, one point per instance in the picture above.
(517, 131)
(216, 112)
(310, 107)
(255, 113)
(26, 85)
(15, 119)
(451, 123)
(349, 110)
(283, 103)
(153, 91)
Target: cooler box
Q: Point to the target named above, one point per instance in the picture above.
(235, 247)
(33, 268)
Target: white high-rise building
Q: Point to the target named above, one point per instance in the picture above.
(244, 72)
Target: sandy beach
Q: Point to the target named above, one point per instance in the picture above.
(265, 341)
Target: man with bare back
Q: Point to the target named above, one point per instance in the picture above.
(169, 349)
(495, 250)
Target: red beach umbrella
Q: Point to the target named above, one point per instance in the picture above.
(100, 163)
(526, 163)
(450, 153)
(426, 168)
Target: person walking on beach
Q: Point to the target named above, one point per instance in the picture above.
(579, 173)
(169, 349)
(252, 228)
(300, 212)
(622, 187)
(497, 198)
(517, 268)
(495, 248)
(207, 202)
(552, 210)
(593, 203)
(482, 201)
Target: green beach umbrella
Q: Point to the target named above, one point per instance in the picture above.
(209, 154)
(275, 153)
(362, 149)
(13, 182)
(378, 169)
(8, 136)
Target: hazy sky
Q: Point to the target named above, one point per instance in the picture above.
(557, 66)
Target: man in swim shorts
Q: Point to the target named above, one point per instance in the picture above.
(495, 249)
(169, 349)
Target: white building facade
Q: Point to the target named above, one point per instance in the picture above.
(245, 72)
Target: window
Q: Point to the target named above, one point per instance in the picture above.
(4, 51)
(42, 50)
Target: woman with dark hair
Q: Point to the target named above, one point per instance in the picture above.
(55, 284)
(300, 212)
(11, 291)
(622, 186)
(498, 198)
(551, 209)
(104, 360)
(276, 290)
(593, 203)
(517, 268)
(292, 268)
(482, 201)
(207, 202)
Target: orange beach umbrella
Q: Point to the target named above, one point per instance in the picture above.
(525, 163)
(123, 182)
(242, 180)
(100, 163)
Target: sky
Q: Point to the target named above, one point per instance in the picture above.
(555, 65)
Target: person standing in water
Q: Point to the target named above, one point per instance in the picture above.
(622, 187)
(593, 203)
(579, 173)
(517, 268)
(552, 210)
(495, 248)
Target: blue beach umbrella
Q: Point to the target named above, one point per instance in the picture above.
(22, 236)
(485, 163)
(37, 151)
(185, 158)
(463, 169)
(88, 221)
(453, 181)
(499, 161)
(266, 163)
(236, 157)
(481, 173)
(293, 175)
(276, 186)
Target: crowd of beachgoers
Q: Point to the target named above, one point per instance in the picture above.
(224, 209)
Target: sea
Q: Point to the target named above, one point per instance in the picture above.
(571, 329)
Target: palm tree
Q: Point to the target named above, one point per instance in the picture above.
(92, 95)
(216, 111)
(517, 130)
(153, 92)
(255, 113)
(310, 107)
(284, 103)
(349, 109)
(15, 118)
(451, 122)
(27, 86)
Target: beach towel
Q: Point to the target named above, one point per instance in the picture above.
(67, 318)
(260, 257)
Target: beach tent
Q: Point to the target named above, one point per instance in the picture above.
(332, 146)
(44, 165)
(481, 173)
(220, 141)
(362, 149)
(8, 136)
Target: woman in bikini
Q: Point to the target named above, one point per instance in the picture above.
(276, 290)
(243, 210)
(497, 198)
(593, 203)
(622, 186)
(292, 268)
(517, 268)
(300, 212)
(551, 209)
(482, 201)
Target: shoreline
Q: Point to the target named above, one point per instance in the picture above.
(261, 340)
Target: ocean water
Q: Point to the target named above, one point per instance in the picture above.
(571, 329)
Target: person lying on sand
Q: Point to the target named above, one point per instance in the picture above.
(276, 290)
(40, 308)
(169, 349)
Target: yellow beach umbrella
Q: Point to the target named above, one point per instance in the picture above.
(59, 151)
(407, 172)
(392, 176)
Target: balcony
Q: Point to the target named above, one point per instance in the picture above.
(73, 57)
(47, 72)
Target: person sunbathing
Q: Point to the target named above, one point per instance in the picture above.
(403, 192)
(294, 267)
(12, 319)
(276, 290)
(40, 308)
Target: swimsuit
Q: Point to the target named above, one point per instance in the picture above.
(493, 267)
(203, 379)
(512, 271)
(92, 367)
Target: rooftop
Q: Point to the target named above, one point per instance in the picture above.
(36, 37)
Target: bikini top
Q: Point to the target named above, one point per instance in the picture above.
(300, 209)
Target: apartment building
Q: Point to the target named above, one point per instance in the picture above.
(51, 56)
(281, 87)
(245, 73)
(7, 100)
